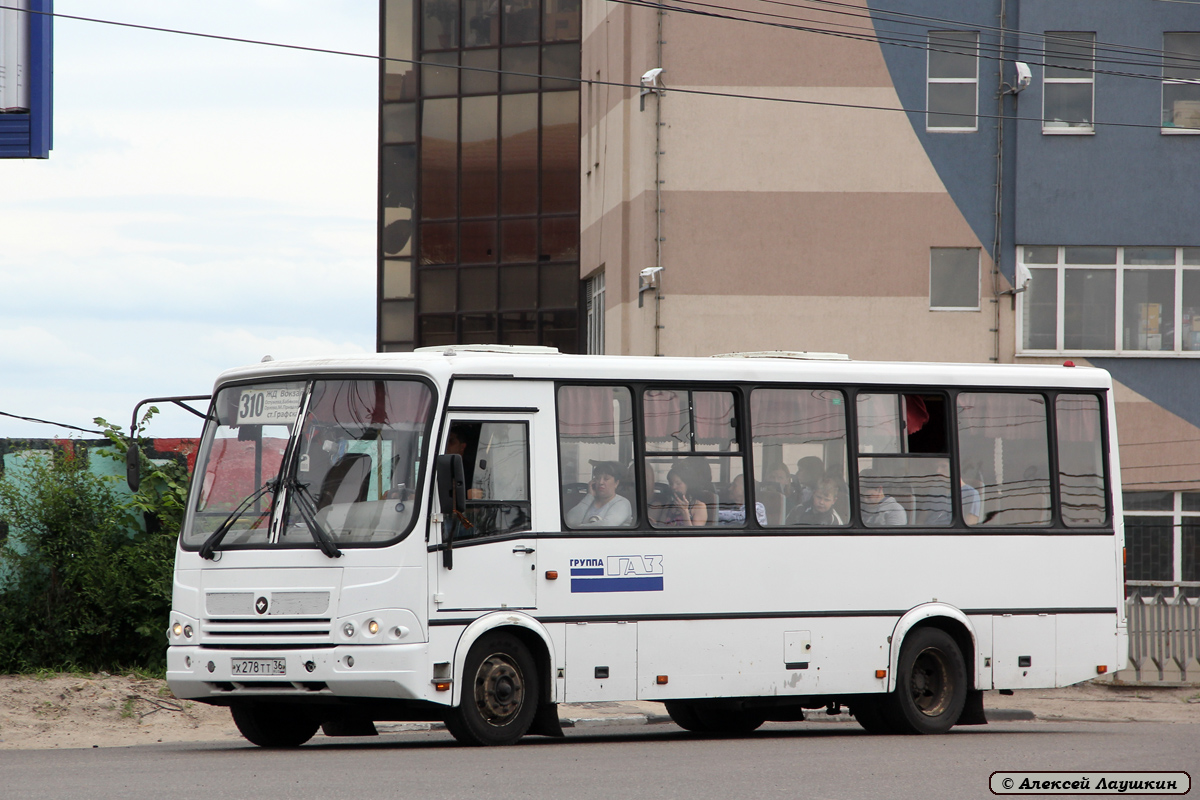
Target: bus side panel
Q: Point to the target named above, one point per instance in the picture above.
(1077, 636)
(761, 658)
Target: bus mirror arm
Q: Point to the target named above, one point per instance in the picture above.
(452, 496)
(133, 466)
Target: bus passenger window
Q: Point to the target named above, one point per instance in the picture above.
(805, 428)
(1080, 459)
(684, 492)
(1003, 446)
(595, 447)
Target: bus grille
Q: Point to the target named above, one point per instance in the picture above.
(289, 618)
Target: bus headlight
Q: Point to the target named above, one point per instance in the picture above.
(373, 627)
(348, 630)
(187, 631)
(177, 629)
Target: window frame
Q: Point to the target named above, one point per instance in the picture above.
(1087, 77)
(930, 81)
(1187, 259)
(1171, 130)
(978, 280)
(1177, 516)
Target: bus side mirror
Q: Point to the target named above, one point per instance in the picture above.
(133, 466)
(451, 482)
(452, 496)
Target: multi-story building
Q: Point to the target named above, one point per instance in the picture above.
(1012, 180)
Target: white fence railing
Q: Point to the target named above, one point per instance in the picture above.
(1164, 633)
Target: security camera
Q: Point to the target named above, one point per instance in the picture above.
(1024, 76)
(650, 79)
(649, 273)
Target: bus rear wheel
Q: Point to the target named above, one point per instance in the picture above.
(712, 716)
(273, 724)
(931, 684)
(499, 693)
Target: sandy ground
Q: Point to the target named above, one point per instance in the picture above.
(74, 711)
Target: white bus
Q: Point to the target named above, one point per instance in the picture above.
(476, 534)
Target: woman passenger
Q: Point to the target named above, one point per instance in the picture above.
(679, 508)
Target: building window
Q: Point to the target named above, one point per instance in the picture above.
(1068, 98)
(1119, 300)
(594, 292)
(1181, 83)
(954, 278)
(953, 81)
(1162, 540)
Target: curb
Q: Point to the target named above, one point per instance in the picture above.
(993, 715)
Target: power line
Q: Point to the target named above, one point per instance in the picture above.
(569, 79)
(48, 422)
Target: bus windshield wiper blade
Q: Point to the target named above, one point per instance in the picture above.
(214, 539)
(308, 512)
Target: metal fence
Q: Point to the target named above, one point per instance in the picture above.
(1164, 633)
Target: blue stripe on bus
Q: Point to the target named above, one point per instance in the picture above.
(588, 571)
(652, 584)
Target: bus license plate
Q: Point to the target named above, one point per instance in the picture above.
(259, 666)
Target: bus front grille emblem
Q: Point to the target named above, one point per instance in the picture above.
(260, 605)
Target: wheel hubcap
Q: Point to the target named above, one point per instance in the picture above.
(499, 689)
(929, 684)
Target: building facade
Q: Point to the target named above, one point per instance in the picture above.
(1007, 181)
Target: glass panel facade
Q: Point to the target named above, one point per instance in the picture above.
(479, 201)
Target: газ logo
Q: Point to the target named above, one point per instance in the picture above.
(617, 574)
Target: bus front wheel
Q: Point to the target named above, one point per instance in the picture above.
(931, 684)
(273, 724)
(499, 693)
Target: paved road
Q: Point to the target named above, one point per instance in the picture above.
(787, 761)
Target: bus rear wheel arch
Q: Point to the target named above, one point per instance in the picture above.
(500, 692)
(931, 687)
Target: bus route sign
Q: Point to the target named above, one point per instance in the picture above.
(274, 406)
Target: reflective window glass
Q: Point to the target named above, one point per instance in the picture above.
(802, 430)
(438, 80)
(519, 153)
(399, 123)
(595, 446)
(559, 286)
(477, 243)
(1080, 459)
(1004, 454)
(439, 290)
(480, 157)
(439, 158)
(560, 239)
(560, 152)
(1040, 317)
(561, 21)
(1089, 309)
(397, 278)
(519, 60)
(1149, 313)
(481, 23)
(396, 319)
(399, 79)
(521, 19)
(560, 60)
(518, 327)
(518, 287)
(440, 23)
(480, 81)
(518, 240)
(477, 289)
(439, 242)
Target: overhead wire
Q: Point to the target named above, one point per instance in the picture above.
(569, 79)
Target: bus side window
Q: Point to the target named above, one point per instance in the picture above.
(1080, 459)
(805, 428)
(1003, 444)
(595, 449)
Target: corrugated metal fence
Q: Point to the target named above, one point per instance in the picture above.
(1164, 633)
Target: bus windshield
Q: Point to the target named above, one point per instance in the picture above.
(349, 471)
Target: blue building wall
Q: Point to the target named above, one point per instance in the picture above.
(1121, 186)
(31, 135)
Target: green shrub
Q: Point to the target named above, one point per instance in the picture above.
(88, 571)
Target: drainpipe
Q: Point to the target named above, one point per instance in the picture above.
(651, 278)
(997, 235)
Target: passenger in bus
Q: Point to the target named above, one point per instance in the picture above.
(819, 511)
(879, 509)
(939, 511)
(602, 507)
(679, 508)
(809, 472)
(779, 481)
(734, 512)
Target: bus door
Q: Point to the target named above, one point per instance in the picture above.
(494, 560)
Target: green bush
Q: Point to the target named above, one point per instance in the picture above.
(88, 571)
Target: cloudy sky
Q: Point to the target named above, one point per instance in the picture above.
(205, 203)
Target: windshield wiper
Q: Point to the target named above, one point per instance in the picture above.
(214, 539)
(308, 512)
